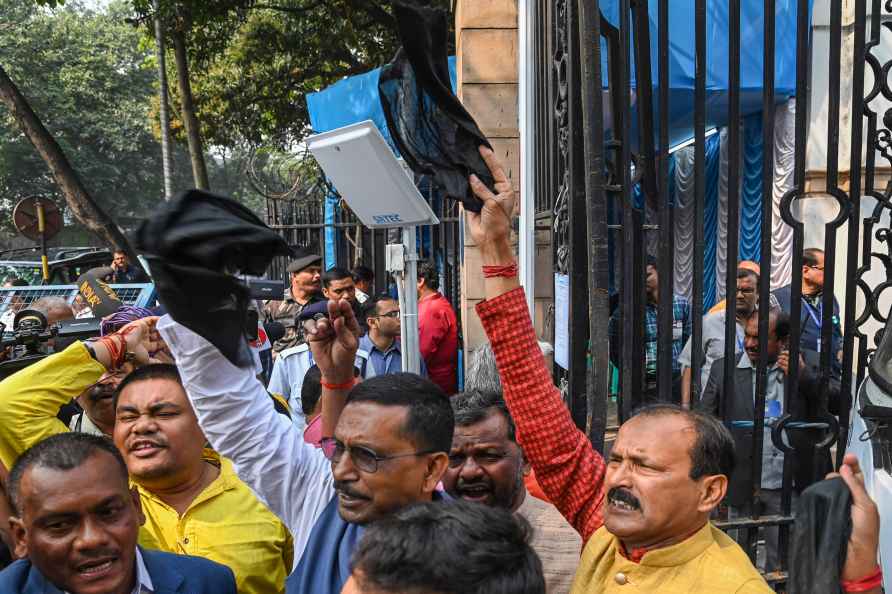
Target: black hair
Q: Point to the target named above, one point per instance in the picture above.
(63, 451)
(370, 307)
(363, 273)
(14, 281)
(311, 390)
(473, 406)
(431, 276)
(782, 326)
(651, 261)
(449, 548)
(747, 273)
(430, 422)
(335, 274)
(713, 450)
(146, 373)
(810, 256)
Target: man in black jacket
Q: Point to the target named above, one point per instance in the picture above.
(737, 411)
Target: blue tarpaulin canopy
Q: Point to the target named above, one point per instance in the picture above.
(354, 99)
(682, 59)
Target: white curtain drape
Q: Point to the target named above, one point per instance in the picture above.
(684, 221)
(784, 159)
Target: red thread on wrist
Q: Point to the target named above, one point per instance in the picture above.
(116, 345)
(509, 271)
(869, 582)
(344, 386)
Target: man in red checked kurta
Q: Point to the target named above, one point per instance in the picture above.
(644, 513)
(437, 330)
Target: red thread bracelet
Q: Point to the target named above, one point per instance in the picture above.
(509, 271)
(869, 582)
(117, 351)
(344, 386)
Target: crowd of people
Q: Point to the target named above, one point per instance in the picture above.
(183, 472)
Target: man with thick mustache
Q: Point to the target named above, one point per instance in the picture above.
(76, 527)
(191, 497)
(97, 402)
(487, 466)
(644, 514)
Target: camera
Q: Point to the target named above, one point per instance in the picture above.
(32, 335)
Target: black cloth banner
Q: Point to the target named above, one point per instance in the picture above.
(429, 125)
(194, 246)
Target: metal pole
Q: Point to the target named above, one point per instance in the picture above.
(526, 99)
(41, 227)
(409, 305)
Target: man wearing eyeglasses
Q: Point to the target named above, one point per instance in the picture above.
(812, 315)
(380, 352)
(713, 343)
(387, 440)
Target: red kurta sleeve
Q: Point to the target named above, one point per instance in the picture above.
(569, 470)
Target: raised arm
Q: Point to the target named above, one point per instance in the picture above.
(569, 470)
(240, 422)
(31, 398)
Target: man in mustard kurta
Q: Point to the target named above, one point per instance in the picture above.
(192, 499)
(643, 513)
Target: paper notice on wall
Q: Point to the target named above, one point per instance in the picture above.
(562, 320)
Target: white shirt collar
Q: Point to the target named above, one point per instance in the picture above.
(143, 579)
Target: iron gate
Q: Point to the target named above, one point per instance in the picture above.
(602, 160)
(302, 222)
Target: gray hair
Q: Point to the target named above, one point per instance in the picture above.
(483, 373)
(49, 305)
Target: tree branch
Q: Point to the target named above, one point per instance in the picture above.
(85, 209)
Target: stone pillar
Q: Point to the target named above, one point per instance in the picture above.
(487, 63)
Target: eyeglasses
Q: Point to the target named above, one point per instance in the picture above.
(363, 458)
(821, 268)
(394, 315)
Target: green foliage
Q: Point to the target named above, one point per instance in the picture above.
(253, 62)
(91, 77)
(86, 78)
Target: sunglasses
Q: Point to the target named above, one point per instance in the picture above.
(363, 458)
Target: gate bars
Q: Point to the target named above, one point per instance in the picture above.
(593, 149)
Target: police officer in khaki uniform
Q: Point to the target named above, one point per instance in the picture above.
(304, 289)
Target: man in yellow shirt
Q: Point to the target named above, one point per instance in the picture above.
(192, 499)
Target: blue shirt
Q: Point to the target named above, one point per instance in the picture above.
(681, 332)
(376, 362)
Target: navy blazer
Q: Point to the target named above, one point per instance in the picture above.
(810, 334)
(171, 574)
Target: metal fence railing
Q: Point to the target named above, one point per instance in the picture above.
(602, 177)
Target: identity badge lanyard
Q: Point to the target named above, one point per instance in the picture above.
(817, 316)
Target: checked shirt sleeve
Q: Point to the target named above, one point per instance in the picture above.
(569, 470)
